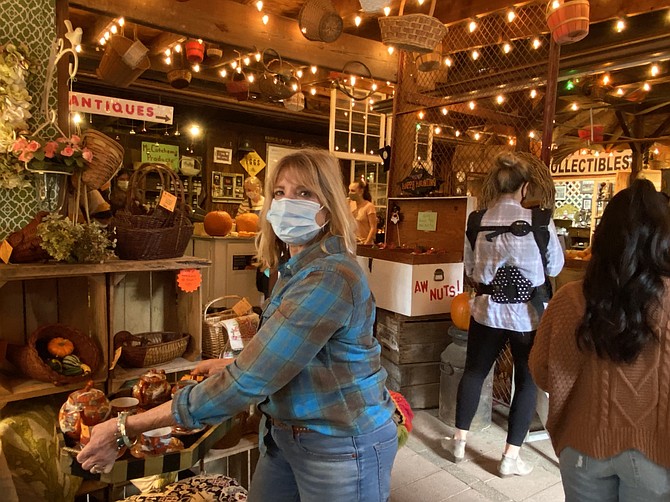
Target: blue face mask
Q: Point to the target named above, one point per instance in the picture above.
(294, 220)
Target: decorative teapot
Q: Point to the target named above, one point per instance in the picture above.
(152, 389)
(88, 406)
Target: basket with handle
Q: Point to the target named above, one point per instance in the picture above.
(319, 21)
(412, 32)
(277, 81)
(107, 158)
(158, 234)
(214, 335)
(143, 350)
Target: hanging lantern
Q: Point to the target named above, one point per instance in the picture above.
(568, 20)
(195, 50)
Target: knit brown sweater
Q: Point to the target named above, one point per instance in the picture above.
(598, 407)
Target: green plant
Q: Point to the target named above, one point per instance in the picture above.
(74, 242)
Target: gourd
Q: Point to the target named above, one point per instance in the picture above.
(246, 222)
(218, 223)
(72, 365)
(60, 347)
(460, 311)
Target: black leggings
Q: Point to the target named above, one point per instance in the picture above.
(484, 346)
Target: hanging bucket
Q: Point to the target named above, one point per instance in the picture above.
(568, 21)
(195, 50)
(123, 62)
(295, 103)
(238, 86)
(179, 78)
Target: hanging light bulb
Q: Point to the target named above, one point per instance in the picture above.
(77, 48)
(511, 142)
(511, 15)
(606, 79)
(177, 133)
(223, 73)
(246, 60)
(258, 56)
(168, 60)
(387, 10)
(144, 127)
(259, 5)
(421, 115)
(168, 52)
(574, 107)
(390, 49)
(500, 99)
(536, 43)
(472, 26)
(533, 93)
(471, 105)
(457, 133)
(177, 48)
(113, 29)
(620, 25)
(475, 55)
(448, 62)
(437, 130)
(295, 87)
(654, 70)
(265, 19)
(196, 67)
(444, 111)
(102, 41)
(251, 78)
(233, 65)
(121, 21)
(619, 91)
(352, 79)
(646, 87)
(313, 69)
(299, 73)
(357, 20)
(507, 48)
(477, 136)
(312, 91)
(76, 118)
(531, 134)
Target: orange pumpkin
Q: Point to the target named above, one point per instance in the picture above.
(218, 223)
(460, 311)
(60, 347)
(246, 222)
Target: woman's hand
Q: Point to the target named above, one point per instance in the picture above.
(210, 367)
(100, 453)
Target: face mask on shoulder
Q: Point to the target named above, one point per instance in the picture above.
(293, 220)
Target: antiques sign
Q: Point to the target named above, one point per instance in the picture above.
(419, 182)
(116, 107)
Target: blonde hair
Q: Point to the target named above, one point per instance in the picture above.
(320, 173)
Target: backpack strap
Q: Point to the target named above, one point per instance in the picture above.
(474, 226)
(540, 229)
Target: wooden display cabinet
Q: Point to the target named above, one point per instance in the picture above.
(100, 300)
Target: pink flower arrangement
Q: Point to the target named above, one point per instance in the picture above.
(63, 154)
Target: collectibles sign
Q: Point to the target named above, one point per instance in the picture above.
(576, 165)
(124, 108)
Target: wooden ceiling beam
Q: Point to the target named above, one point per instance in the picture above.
(240, 25)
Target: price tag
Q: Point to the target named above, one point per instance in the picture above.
(189, 279)
(242, 307)
(5, 251)
(117, 354)
(168, 201)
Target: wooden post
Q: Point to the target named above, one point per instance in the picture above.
(550, 100)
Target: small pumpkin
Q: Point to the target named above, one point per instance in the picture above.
(60, 347)
(218, 223)
(247, 222)
(460, 311)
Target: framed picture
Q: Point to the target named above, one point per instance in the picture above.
(586, 204)
(223, 155)
(560, 192)
(587, 187)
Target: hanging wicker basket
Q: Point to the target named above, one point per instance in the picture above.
(107, 158)
(123, 62)
(568, 21)
(319, 21)
(277, 81)
(295, 103)
(238, 86)
(412, 32)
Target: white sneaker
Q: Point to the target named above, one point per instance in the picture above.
(455, 449)
(513, 467)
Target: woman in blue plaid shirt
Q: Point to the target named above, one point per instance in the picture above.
(314, 365)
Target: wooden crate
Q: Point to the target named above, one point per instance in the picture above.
(411, 350)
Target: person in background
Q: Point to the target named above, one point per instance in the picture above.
(254, 196)
(602, 353)
(508, 268)
(364, 212)
(117, 196)
(314, 365)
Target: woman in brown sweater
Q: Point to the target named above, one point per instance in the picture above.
(602, 352)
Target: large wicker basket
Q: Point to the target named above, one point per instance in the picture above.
(30, 358)
(412, 32)
(107, 158)
(214, 335)
(142, 350)
(160, 233)
(319, 21)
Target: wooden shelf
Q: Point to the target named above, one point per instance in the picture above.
(16, 388)
(248, 442)
(122, 375)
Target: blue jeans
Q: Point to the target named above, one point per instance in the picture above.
(627, 477)
(312, 467)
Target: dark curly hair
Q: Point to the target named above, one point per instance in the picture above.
(624, 279)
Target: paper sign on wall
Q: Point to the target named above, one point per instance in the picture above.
(157, 152)
(427, 221)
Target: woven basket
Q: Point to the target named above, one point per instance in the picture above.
(114, 68)
(277, 82)
(149, 349)
(159, 234)
(214, 335)
(568, 21)
(373, 5)
(107, 158)
(413, 32)
(319, 21)
(30, 360)
(26, 244)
